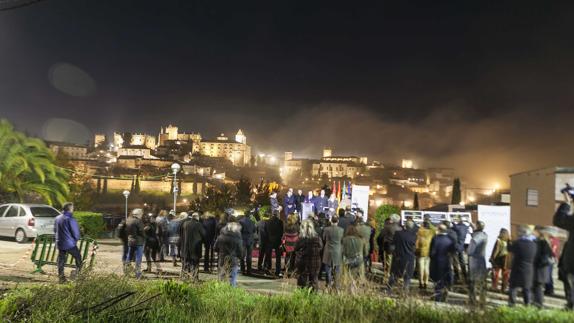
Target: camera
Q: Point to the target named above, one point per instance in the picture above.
(568, 189)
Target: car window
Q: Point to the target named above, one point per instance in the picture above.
(22, 212)
(12, 212)
(44, 212)
(3, 209)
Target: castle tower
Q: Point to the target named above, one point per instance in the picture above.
(240, 137)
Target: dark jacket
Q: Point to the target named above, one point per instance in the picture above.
(565, 221)
(461, 231)
(308, 255)
(173, 231)
(191, 234)
(346, 221)
(135, 231)
(522, 271)
(289, 205)
(209, 225)
(403, 264)
(67, 231)
(229, 245)
(542, 261)
(387, 236)
(274, 230)
(442, 246)
(320, 204)
(247, 230)
(299, 199)
(150, 233)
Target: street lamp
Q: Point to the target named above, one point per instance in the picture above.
(126, 194)
(175, 167)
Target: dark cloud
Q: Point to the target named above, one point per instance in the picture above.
(486, 89)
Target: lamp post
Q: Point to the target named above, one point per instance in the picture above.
(126, 194)
(175, 167)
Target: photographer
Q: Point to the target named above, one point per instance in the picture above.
(564, 220)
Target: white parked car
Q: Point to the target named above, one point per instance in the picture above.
(25, 221)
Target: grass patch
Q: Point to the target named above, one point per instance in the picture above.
(175, 301)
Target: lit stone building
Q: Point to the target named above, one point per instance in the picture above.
(135, 139)
(338, 166)
(237, 151)
(99, 140)
(171, 134)
(135, 151)
(73, 151)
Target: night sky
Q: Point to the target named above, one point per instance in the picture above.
(486, 88)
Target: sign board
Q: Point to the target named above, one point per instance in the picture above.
(435, 217)
(360, 199)
(495, 218)
(306, 210)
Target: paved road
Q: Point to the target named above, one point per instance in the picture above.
(16, 267)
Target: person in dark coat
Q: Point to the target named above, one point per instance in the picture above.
(403, 264)
(299, 199)
(564, 220)
(542, 261)
(247, 234)
(459, 265)
(346, 218)
(275, 207)
(136, 238)
(441, 249)
(563, 276)
(477, 271)
(192, 234)
(67, 234)
(386, 242)
(321, 203)
(173, 236)
(289, 204)
(308, 251)
(274, 229)
(263, 242)
(229, 247)
(523, 251)
(162, 234)
(209, 223)
(152, 244)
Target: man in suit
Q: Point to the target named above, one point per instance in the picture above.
(403, 263)
(441, 250)
(522, 270)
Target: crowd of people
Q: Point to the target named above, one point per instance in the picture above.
(340, 246)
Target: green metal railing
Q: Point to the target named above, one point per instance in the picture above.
(46, 253)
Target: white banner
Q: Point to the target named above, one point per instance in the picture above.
(494, 218)
(360, 199)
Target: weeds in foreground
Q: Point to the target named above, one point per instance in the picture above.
(113, 298)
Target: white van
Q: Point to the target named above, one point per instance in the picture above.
(25, 221)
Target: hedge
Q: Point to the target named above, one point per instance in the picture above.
(91, 223)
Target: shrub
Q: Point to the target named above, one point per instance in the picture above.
(91, 223)
(384, 212)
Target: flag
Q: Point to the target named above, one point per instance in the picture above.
(344, 192)
(339, 192)
(334, 189)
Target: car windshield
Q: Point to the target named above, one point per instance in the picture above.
(44, 212)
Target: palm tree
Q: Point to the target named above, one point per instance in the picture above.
(27, 166)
